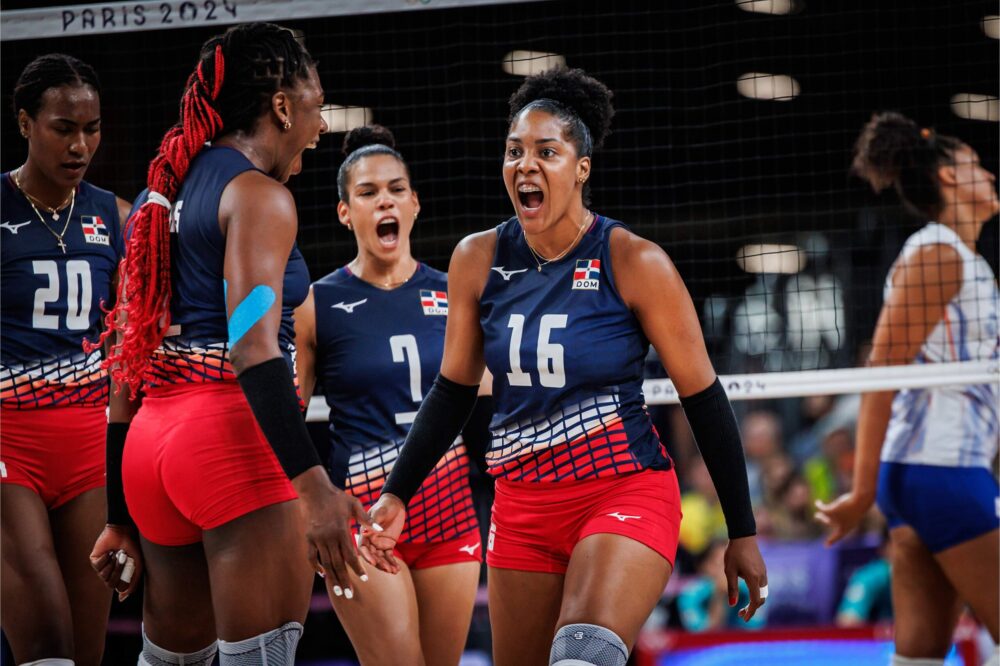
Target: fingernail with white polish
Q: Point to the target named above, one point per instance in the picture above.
(349, 593)
(377, 527)
(321, 574)
(122, 557)
(336, 590)
(364, 578)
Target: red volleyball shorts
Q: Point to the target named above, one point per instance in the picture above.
(439, 553)
(535, 526)
(58, 452)
(195, 459)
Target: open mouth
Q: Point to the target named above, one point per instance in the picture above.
(388, 231)
(530, 196)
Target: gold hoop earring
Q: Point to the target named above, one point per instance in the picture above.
(288, 125)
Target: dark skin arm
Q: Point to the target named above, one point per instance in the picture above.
(669, 320)
(259, 220)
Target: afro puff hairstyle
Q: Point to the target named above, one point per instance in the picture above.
(362, 142)
(582, 102)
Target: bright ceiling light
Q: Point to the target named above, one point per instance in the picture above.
(526, 63)
(771, 258)
(991, 26)
(972, 106)
(346, 118)
(776, 87)
(768, 6)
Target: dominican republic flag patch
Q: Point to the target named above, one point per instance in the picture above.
(434, 302)
(587, 274)
(94, 230)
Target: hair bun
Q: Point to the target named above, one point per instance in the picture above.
(367, 135)
(581, 93)
(887, 144)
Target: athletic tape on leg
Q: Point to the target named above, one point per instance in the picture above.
(274, 648)
(587, 645)
(249, 311)
(153, 655)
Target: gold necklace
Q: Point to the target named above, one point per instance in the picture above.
(542, 261)
(55, 216)
(54, 212)
(385, 285)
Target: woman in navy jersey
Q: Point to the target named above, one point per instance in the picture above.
(61, 242)
(372, 333)
(561, 303)
(937, 446)
(228, 494)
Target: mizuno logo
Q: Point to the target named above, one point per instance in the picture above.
(470, 549)
(623, 518)
(12, 228)
(506, 274)
(348, 307)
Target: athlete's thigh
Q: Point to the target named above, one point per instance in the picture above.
(36, 615)
(614, 582)
(75, 527)
(177, 612)
(973, 568)
(260, 573)
(925, 604)
(445, 597)
(524, 608)
(381, 620)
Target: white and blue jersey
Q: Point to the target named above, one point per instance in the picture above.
(51, 300)
(953, 426)
(567, 357)
(196, 348)
(377, 353)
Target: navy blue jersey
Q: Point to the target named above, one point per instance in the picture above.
(196, 348)
(566, 355)
(377, 353)
(51, 300)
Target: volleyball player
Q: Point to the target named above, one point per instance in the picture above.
(373, 333)
(210, 280)
(561, 304)
(935, 483)
(61, 242)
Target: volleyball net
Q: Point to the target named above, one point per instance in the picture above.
(730, 148)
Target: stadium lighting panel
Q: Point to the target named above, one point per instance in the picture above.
(991, 26)
(346, 118)
(526, 63)
(771, 258)
(776, 87)
(768, 6)
(972, 106)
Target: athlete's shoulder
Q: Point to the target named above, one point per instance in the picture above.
(433, 275)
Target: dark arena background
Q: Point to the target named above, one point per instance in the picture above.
(730, 148)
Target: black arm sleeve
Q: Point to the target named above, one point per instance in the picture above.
(714, 426)
(270, 390)
(476, 433)
(439, 420)
(114, 447)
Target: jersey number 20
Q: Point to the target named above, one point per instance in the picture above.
(78, 295)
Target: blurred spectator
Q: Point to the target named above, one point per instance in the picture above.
(703, 519)
(703, 603)
(761, 440)
(829, 472)
(787, 509)
(868, 595)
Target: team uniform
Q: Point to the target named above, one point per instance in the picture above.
(52, 393)
(195, 457)
(377, 353)
(573, 448)
(936, 473)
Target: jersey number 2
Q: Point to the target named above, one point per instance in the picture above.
(78, 295)
(551, 373)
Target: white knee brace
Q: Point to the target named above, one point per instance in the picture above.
(274, 648)
(49, 661)
(909, 661)
(587, 645)
(153, 655)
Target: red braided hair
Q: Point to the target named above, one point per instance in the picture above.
(142, 312)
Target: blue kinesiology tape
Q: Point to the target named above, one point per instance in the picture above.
(250, 310)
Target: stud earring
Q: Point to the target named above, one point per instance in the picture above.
(350, 227)
(288, 125)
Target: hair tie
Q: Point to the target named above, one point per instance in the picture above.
(159, 200)
(926, 133)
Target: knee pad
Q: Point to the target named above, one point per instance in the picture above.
(587, 645)
(49, 661)
(274, 648)
(910, 661)
(153, 655)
